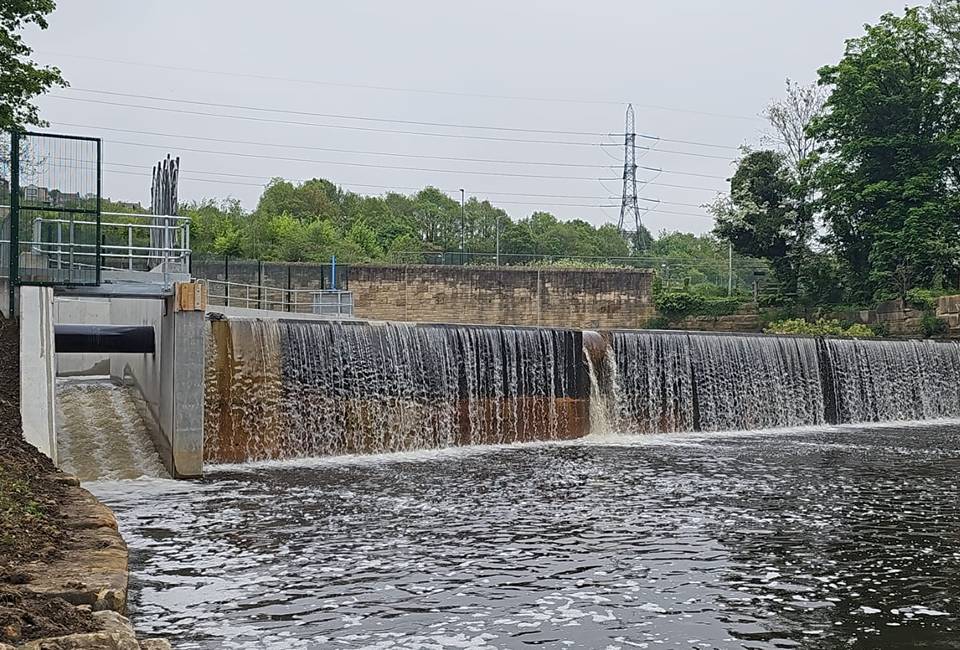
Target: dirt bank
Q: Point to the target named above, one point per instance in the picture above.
(33, 529)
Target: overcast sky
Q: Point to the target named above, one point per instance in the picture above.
(696, 70)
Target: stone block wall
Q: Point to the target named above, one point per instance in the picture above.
(580, 298)
(898, 318)
(948, 310)
(746, 320)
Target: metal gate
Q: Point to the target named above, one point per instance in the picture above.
(50, 210)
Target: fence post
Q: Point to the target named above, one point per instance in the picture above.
(226, 280)
(99, 240)
(260, 284)
(59, 246)
(289, 294)
(14, 278)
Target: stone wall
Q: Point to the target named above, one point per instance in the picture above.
(580, 298)
(948, 310)
(901, 319)
(746, 320)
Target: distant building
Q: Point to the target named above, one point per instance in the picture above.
(33, 195)
(129, 205)
(60, 199)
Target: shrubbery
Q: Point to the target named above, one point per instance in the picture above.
(922, 299)
(820, 327)
(675, 305)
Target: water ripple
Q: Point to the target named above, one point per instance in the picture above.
(837, 537)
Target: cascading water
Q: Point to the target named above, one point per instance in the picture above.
(282, 389)
(684, 382)
(877, 381)
(102, 433)
(278, 389)
(754, 382)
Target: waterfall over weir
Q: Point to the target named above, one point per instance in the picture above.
(286, 389)
(278, 389)
(664, 382)
(875, 381)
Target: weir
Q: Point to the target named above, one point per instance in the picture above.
(284, 389)
(279, 389)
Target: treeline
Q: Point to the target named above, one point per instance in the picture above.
(315, 220)
(858, 197)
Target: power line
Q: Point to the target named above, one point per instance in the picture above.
(382, 187)
(213, 180)
(378, 153)
(355, 164)
(673, 151)
(661, 170)
(549, 205)
(658, 183)
(247, 118)
(378, 130)
(335, 149)
(690, 142)
(380, 166)
(417, 189)
(249, 75)
(260, 109)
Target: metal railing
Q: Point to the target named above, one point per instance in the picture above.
(120, 248)
(329, 302)
(124, 246)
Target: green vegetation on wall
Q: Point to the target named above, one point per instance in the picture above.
(820, 327)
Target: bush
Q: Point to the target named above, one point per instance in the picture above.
(930, 325)
(820, 327)
(573, 263)
(860, 331)
(925, 300)
(657, 323)
(922, 299)
(675, 305)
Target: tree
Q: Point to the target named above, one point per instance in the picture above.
(945, 16)
(890, 167)
(761, 217)
(21, 80)
(790, 118)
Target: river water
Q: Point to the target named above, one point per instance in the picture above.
(815, 538)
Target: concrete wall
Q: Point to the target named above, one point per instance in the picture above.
(579, 298)
(38, 369)
(170, 380)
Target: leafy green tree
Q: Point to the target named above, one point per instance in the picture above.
(216, 227)
(761, 217)
(891, 158)
(945, 16)
(314, 199)
(21, 80)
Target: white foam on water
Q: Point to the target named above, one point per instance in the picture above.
(101, 433)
